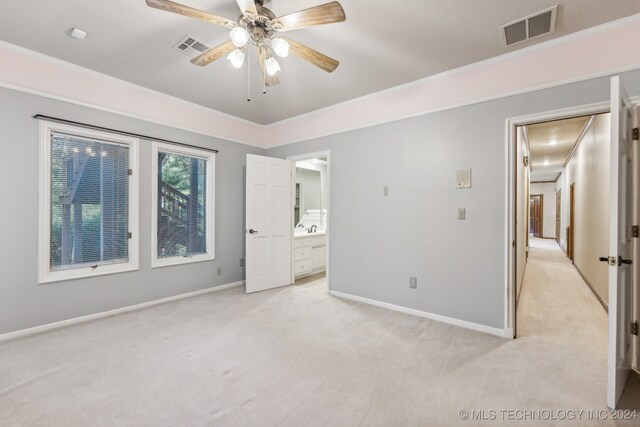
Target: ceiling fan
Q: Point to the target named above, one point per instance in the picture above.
(259, 26)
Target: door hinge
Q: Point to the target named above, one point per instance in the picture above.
(634, 328)
(130, 235)
(634, 231)
(130, 172)
(525, 160)
(636, 134)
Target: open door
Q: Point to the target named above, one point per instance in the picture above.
(536, 203)
(620, 244)
(268, 223)
(636, 250)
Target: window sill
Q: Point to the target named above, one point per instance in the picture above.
(177, 260)
(85, 273)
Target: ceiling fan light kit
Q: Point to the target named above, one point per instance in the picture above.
(258, 26)
(272, 66)
(236, 58)
(239, 36)
(280, 47)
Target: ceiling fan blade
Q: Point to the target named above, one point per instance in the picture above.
(181, 9)
(248, 8)
(212, 54)
(324, 14)
(313, 56)
(262, 56)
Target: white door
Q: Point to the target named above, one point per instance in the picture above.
(268, 223)
(620, 244)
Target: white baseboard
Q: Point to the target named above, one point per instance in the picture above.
(56, 325)
(449, 320)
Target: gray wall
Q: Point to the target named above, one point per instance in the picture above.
(378, 242)
(24, 303)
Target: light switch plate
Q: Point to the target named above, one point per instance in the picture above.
(462, 213)
(463, 178)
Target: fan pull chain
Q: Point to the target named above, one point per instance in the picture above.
(248, 73)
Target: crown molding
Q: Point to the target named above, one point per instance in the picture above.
(43, 75)
(539, 47)
(476, 83)
(27, 74)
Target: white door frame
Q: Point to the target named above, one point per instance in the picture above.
(309, 156)
(636, 245)
(510, 138)
(510, 250)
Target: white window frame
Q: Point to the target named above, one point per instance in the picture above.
(210, 157)
(45, 274)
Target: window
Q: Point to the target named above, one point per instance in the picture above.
(88, 203)
(182, 205)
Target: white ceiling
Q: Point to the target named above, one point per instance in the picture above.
(382, 44)
(546, 158)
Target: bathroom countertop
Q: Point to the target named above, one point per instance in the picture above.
(304, 233)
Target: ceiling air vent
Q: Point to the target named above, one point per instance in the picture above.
(535, 25)
(190, 46)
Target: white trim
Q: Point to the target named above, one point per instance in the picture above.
(458, 105)
(111, 79)
(294, 159)
(72, 101)
(437, 317)
(45, 275)
(261, 130)
(210, 157)
(599, 29)
(95, 316)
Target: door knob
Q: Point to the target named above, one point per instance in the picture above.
(252, 231)
(604, 259)
(624, 261)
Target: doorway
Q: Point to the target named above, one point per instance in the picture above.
(280, 246)
(536, 203)
(310, 218)
(612, 192)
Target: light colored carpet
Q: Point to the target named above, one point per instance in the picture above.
(296, 356)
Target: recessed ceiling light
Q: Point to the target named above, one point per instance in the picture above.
(546, 162)
(78, 34)
(552, 142)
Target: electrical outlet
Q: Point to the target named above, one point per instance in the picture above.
(413, 282)
(241, 262)
(462, 213)
(219, 271)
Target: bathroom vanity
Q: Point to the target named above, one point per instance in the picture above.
(309, 253)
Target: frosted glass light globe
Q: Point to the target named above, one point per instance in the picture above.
(239, 36)
(280, 47)
(272, 66)
(236, 58)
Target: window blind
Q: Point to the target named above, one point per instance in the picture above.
(182, 193)
(89, 210)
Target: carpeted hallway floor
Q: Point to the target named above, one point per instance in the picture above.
(295, 356)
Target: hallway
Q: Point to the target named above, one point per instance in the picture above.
(557, 310)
